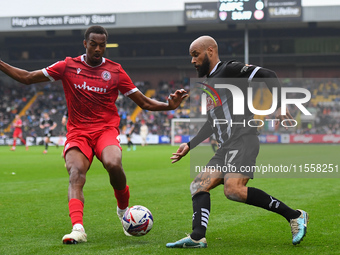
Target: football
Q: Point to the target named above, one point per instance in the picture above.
(137, 220)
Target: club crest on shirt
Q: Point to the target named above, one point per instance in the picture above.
(106, 75)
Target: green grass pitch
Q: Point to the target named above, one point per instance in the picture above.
(34, 212)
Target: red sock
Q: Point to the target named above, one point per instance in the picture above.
(76, 211)
(122, 197)
(14, 142)
(23, 141)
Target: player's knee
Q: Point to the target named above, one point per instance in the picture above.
(230, 193)
(195, 187)
(233, 191)
(77, 177)
(113, 165)
(77, 171)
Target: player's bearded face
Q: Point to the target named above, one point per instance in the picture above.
(203, 69)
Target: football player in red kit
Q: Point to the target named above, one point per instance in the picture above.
(91, 85)
(17, 132)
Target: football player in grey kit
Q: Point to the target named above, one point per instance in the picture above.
(238, 144)
(48, 125)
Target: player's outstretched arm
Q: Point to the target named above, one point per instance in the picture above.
(146, 103)
(21, 75)
(181, 152)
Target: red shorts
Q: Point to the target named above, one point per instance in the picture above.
(91, 144)
(17, 133)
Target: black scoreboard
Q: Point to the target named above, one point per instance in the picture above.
(241, 10)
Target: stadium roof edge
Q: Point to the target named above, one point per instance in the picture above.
(131, 21)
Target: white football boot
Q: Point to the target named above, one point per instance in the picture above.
(77, 235)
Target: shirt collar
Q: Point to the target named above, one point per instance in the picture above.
(83, 60)
(214, 69)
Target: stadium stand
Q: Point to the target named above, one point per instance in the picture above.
(156, 57)
(324, 106)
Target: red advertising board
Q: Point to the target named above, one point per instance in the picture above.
(315, 138)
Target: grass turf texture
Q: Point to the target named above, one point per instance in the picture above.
(34, 211)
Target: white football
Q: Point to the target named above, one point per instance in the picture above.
(137, 220)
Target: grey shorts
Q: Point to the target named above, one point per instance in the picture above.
(237, 157)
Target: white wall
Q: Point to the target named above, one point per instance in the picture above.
(9, 8)
(67, 7)
(320, 2)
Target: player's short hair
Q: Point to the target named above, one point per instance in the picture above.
(95, 30)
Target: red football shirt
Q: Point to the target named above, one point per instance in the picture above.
(17, 125)
(91, 92)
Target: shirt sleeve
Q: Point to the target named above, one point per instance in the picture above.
(126, 86)
(241, 70)
(205, 132)
(55, 72)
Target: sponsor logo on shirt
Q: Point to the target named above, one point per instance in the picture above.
(245, 68)
(89, 88)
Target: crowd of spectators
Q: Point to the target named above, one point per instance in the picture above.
(13, 98)
(325, 119)
(16, 96)
(324, 106)
(52, 100)
(158, 122)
